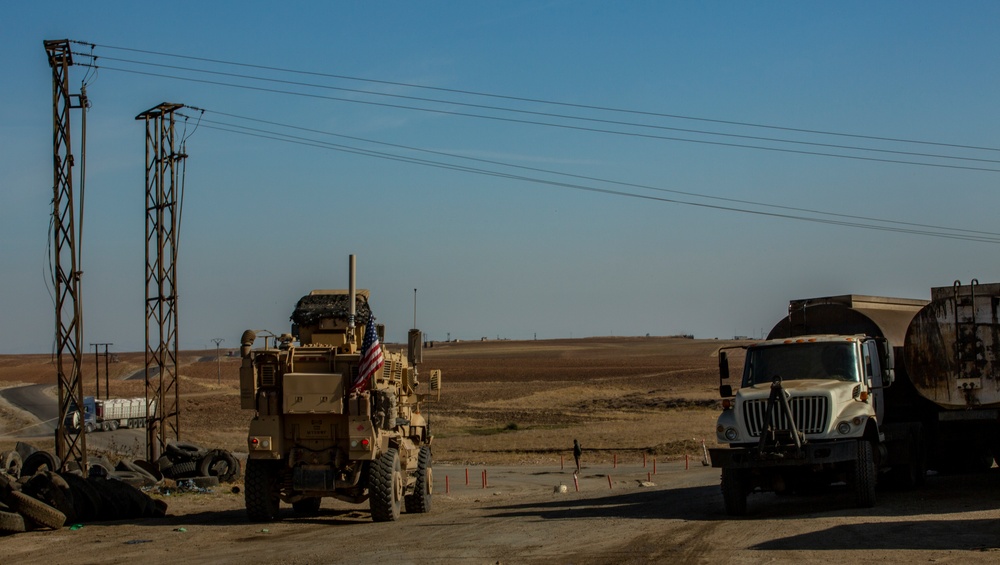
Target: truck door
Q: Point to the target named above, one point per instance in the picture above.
(873, 377)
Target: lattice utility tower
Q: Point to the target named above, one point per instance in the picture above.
(162, 221)
(70, 445)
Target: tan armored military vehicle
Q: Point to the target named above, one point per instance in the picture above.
(336, 415)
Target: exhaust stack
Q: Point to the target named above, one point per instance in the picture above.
(352, 298)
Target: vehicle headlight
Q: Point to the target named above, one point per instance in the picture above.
(731, 434)
(844, 428)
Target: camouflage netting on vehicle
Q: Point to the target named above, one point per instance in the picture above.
(312, 308)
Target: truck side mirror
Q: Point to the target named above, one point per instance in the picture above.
(725, 391)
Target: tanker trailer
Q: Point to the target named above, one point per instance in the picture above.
(951, 351)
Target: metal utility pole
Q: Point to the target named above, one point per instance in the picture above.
(162, 220)
(97, 363)
(70, 445)
(218, 359)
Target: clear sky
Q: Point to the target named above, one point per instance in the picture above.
(669, 247)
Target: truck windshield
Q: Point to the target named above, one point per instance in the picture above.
(816, 360)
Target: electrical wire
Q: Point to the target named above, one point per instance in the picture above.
(563, 126)
(552, 115)
(541, 101)
(585, 177)
(436, 164)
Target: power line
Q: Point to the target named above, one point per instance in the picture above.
(243, 130)
(586, 177)
(549, 114)
(563, 126)
(544, 101)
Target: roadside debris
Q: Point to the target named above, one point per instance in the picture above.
(36, 494)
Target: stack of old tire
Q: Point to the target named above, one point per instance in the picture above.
(39, 496)
(199, 466)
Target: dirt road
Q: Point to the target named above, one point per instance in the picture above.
(519, 519)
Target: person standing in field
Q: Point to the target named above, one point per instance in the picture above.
(577, 452)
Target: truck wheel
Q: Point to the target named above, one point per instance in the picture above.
(385, 483)
(863, 476)
(307, 506)
(420, 500)
(734, 491)
(262, 490)
(112, 425)
(89, 428)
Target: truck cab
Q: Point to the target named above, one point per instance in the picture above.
(86, 418)
(807, 413)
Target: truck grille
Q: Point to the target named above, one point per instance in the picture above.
(811, 414)
(267, 375)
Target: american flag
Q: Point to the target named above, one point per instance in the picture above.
(371, 357)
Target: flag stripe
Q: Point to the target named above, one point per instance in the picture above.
(371, 359)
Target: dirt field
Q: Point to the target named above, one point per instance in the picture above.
(512, 410)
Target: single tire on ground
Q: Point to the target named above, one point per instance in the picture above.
(261, 490)
(11, 462)
(39, 461)
(37, 511)
(11, 522)
(131, 467)
(863, 477)
(150, 469)
(420, 500)
(220, 463)
(181, 470)
(185, 450)
(132, 478)
(734, 491)
(385, 486)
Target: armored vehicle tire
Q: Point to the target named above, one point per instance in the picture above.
(307, 506)
(863, 477)
(37, 511)
(734, 491)
(262, 490)
(420, 500)
(385, 486)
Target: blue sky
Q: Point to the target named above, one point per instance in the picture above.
(266, 221)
